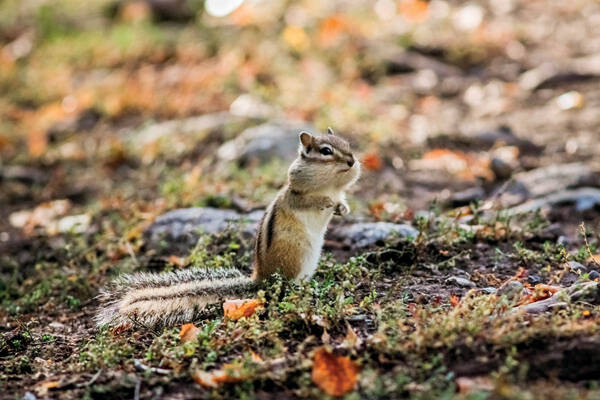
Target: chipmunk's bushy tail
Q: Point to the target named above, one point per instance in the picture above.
(169, 298)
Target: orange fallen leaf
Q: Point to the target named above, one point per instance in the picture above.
(372, 161)
(230, 373)
(37, 142)
(454, 301)
(176, 260)
(335, 375)
(539, 292)
(331, 29)
(296, 37)
(414, 11)
(239, 308)
(586, 313)
(188, 332)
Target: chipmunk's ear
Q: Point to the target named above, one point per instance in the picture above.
(330, 131)
(305, 138)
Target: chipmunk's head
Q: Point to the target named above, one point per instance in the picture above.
(325, 161)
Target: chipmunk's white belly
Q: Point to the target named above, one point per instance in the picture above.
(315, 224)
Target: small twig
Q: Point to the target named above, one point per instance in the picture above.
(131, 253)
(138, 386)
(138, 364)
(587, 246)
(91, 381)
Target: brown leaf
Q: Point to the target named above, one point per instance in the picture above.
(468, 385)
(188, 332)
(230, 373)
(335, 375)
(239, 308)
(351, 340)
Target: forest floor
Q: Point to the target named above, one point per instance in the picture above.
(476, 124)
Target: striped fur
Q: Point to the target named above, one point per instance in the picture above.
(170, 298)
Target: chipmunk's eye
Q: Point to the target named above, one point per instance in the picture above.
(326, 151)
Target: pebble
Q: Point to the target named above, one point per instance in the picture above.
(577, 267)
(462, 282)
(272, 140)
(592, 275)
(364, 234)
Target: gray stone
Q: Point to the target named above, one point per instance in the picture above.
(583, 199)
(501, 168)
(489, 290)
(184, 126)
(365, 234)
(545, 181)
(462, 282)
(577, 267)
(467, 196)
(592, 275)
(273, 140)
(187, 224)
(511, 289)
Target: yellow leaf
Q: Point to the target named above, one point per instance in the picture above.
(296, 38)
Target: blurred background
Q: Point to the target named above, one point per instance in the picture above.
(143, 106)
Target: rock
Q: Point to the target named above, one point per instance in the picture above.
(249, 106)
(534, 279)
(511, 289)
(462, 282)
(22, 174)
(184, 226)
(365, 234)
(467, 196)
(544, 181)
(588, 292)
(500, 168)
(504, 135)
(489, 290)
(583, 198)
(504, 160)
(577, 267)
(592, 275)
(265, 142)
(184, 126)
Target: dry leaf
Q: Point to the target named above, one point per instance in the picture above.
(238, 308)
(296, 38)
(468, 385)
(37, 142)
(188, 332)
(43, 387)
(331, 29)
(230, 373)
(372, 161)
(351, 340)
(454, 301)
(414, 11)
(335, 375)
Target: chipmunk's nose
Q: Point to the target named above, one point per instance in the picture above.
(351, 163)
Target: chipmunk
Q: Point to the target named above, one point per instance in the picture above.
(289, 239)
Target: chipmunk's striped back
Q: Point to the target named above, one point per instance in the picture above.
(170, 298)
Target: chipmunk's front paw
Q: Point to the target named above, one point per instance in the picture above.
(341, 209)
